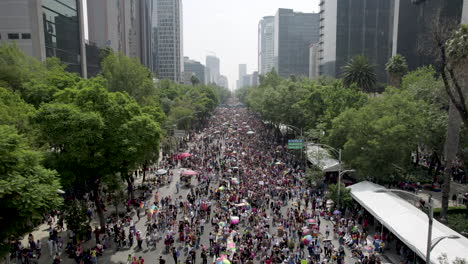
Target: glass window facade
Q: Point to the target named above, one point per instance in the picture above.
(62, 32)
(294, 32)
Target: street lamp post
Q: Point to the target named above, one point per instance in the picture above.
(430, 243)
(338, 152)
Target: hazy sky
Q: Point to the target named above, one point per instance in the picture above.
(228, 28)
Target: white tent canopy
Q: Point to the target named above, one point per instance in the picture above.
(321, 158)
(408, 223)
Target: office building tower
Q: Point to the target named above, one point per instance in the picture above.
(266, 44)
(196, 68)
(168, 56)
(242, 73)
(212, 63)
(355, 27)
(293, 33)
(44, 29)
(412, 27)
(123, 26)
(314, 60)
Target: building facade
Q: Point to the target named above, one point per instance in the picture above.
(168, 59)
(196, 68)
(213, 63)
(293, 33)
(46, 29)
(242, 73)
(122, 25)
(265, 44)
(412, 27)
(355, 27)
(314, 60)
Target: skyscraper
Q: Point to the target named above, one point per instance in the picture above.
(196, 68)
(354, 27)
(44, 29)
(168, 56)
(212, 63)
(265, 44)
(123, 26)
(223, 81)
(242, 73)
(413, 25)
(293, 33)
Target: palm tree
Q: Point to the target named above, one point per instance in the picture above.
(396, 68)
(359, 71)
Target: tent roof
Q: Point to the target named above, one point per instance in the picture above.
(408, 223)
(321, 158)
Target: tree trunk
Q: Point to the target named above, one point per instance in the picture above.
(144, 172)
(131, 193)
(99, 205)
(450, 152)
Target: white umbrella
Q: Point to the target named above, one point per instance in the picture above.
(161, 171)
(250, 132)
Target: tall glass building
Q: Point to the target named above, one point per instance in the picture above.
(355, 27)
(293, 34)
(62, 32)
(265, 45)
(46, 28)
(168, 56)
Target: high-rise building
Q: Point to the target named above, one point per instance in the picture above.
(355, 27)
(265, 44)
(412, 27)
(168, 39)
(314, 60)
(44, 29)
(294, 32)
(196, 68)
(242, 73)
(123, 26)
(212, 63)
(223, 81)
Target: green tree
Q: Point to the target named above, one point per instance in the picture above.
(93, 134)
(76, 218)
(27, 189)
(379, 137)
(343, 197)
(361, 72)
(124, 74)
(396, 68)
(14, 111)
(194, 80)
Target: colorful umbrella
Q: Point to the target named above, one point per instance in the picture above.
(336, 212)
(307, 239)
(189, 172)
(311, 221)
(222, 224)
(368, 248)
(235, 220)
(161, 171)
(231, 246)
(185, 155)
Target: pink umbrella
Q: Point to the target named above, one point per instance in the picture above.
(185, 155)
(189, 172)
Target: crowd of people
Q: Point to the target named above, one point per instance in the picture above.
(249, 202)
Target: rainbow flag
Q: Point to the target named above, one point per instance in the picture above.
(142, 205)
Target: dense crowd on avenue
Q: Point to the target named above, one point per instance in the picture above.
(246, 200)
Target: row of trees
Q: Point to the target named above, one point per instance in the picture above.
(378, 133)
(60, 131)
